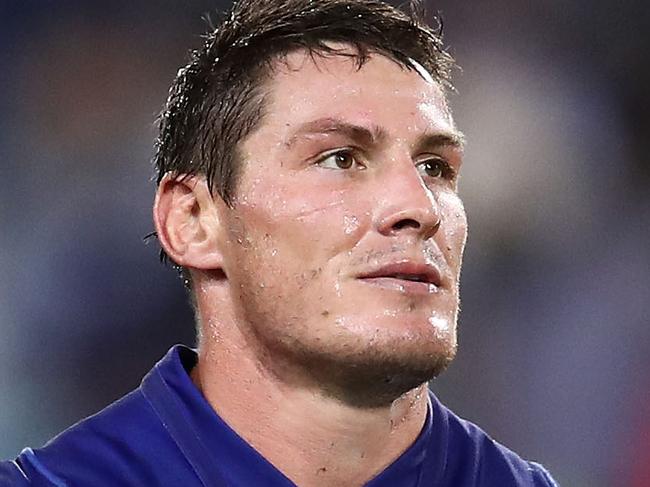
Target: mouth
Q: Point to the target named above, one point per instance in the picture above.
(406, 277)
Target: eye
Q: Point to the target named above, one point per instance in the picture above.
(342, 159)
(436, 168)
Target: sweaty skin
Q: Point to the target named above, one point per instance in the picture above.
(351, 170)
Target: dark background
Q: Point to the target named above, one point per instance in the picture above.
(554, 342)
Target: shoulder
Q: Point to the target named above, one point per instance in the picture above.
(122, 445)
(12, 474)
(474, 458)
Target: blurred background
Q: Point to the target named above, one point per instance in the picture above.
(554, 97)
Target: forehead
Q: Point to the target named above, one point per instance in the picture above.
(305, 87)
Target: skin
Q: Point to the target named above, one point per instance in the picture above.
(322, 371)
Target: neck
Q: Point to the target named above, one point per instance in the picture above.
(312, 438)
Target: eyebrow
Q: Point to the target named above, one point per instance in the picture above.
(373, 134)
(358, 133)
(454, 139)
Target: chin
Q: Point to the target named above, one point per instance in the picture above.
(379, 382)
(379, 372)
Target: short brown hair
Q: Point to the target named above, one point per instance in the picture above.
(216, 100)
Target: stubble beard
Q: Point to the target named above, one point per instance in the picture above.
(375, 378)
(357, 373)
(333, 359)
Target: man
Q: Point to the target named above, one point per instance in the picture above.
(307, 191)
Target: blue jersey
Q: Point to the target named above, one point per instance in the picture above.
(166, 434)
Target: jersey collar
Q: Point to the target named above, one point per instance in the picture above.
(219, 456)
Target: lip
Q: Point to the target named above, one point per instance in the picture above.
(389, 276)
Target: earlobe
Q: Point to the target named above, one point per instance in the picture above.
(187, 222)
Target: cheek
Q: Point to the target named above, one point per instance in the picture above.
(307, 223)
(455, 228)
(292, 249)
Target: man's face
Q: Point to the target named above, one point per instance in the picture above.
(344, 243)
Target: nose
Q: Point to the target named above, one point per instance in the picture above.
(410, 207)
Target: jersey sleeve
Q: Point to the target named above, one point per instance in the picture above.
(541, 477)
(13, 474)
(27, 470)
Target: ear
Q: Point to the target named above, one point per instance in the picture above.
(187, 222)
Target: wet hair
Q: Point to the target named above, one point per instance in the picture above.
(217, 99)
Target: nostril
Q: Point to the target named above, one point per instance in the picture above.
(406, 223)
